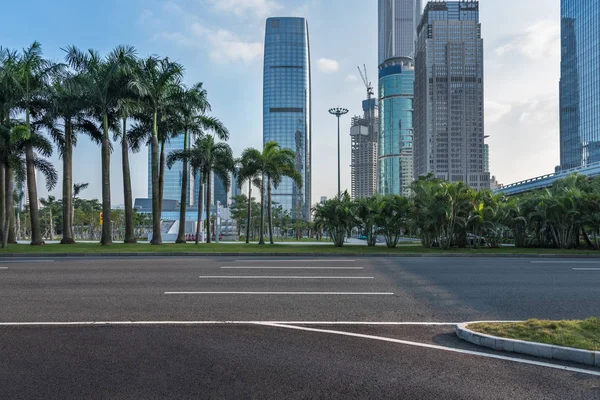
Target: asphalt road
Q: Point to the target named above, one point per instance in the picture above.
(293, 358)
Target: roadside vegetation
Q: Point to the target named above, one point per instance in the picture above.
(577, 334)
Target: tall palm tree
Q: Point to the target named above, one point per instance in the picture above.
(157, 83)
(67, 105)
(218, 159)
(192, 105)
(249, 170)
(104, 84)
(11, 158)
(33, 75)
(279, 163)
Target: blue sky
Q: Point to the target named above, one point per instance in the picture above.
(220, 43)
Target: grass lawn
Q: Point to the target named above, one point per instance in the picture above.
(578, 334)
(308, 249)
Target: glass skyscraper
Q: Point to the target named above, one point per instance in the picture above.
(396, 79)
(398, 20)
(448, 116)
(287, 105)
(580, 83)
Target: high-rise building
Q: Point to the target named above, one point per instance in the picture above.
(173, 175)
(364, 135)
(287, 105)
(220, 191)
(486, 158)
(579, 83)
(448, 112)
(398, 20)
(395, 158)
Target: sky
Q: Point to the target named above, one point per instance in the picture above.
(220, 43)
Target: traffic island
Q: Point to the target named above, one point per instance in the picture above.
(574, 341)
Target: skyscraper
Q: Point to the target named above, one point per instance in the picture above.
(579, 83)
(287, 105)
(398, 20)
(448, 112)
(364, 135)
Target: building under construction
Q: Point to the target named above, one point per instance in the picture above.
(364, 135)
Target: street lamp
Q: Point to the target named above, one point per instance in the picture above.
(338, 112)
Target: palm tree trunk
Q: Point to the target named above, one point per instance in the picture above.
(127, 192)
(208, 189)
(18, 223)
(184, 189)
(262, 211)
(34, 209)
(161, 175)
(200, 206)
(3, 202)
(51, 222)
(249, 211)
(156, 206)
(10, 183)
(67, 189)
(106, 207)
(269, 211)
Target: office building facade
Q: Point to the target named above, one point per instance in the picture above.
(398, 20)
(395, 163)
(364, 136)
(448, 109)
(287, 105)
(579, 83)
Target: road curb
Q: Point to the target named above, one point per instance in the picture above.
(299, 255)
(529, 348)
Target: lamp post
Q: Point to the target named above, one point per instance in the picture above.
(338, 112)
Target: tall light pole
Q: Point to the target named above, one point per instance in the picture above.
(338, 112)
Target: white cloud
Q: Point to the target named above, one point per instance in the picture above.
(228, 47)
(494, 111)
(260, 8)
(351, 78)
(328, 65)
(537, 42)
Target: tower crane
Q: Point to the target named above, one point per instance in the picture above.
(365, 78)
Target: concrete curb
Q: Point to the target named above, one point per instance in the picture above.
(530, 348)
(300, 255)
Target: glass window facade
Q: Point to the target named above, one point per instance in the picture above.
(580, 83)
(396, 79)
(398, 20)
(287, 105)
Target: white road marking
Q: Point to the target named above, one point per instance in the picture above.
(292, 267)
(292, 293)
(308, 260)
(436, 347)
(3, 267)
(586, 269)
(24, 261)
(287, 277)
(121, 323)
(565, 262)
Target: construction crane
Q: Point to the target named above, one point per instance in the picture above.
(365, 79)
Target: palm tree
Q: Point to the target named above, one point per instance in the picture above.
(66, 105)
(367, 210)
(218, 160)
(11, 159)
(192, 105)
(103, 83)
(49, 203)
(249, 170)
(337, 216)
(157, 83)
(392, 217)
(279, 163)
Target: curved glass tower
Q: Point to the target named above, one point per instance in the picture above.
(287, 105)
(396, 88)
(579, 83)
